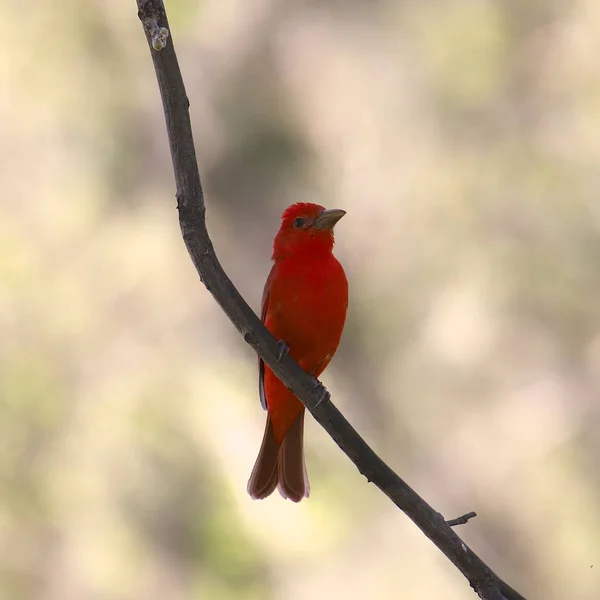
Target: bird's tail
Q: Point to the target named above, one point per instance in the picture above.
(281, 465)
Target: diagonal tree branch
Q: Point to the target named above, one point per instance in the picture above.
(190, 203)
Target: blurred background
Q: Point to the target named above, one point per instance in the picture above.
(463, 140)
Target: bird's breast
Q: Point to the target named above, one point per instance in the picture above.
(307, 308)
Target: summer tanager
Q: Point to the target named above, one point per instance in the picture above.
(304, 306)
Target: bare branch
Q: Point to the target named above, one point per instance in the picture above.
(190, 203)
(462, 519)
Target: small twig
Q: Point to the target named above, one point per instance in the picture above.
(190, 203)
(462, 519)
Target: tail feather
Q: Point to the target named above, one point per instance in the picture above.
(281, 466)
(264, 477)
(293, 479)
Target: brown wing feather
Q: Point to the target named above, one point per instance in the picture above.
(261, 364)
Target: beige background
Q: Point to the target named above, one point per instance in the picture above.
(463, 140)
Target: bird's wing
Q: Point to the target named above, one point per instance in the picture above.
(261, 364)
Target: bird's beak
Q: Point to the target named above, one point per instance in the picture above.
(328, 218)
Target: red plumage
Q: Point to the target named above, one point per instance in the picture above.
(304, 305)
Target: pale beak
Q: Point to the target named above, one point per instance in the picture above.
(328, 218)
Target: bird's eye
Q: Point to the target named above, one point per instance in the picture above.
(298, 222)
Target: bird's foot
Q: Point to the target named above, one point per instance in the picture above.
(322, 393)
(284, 350)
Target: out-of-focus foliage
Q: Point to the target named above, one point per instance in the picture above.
(462, 139)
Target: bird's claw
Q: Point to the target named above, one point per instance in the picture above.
(322, 392)
(284, 350)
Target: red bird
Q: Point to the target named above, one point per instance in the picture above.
(304, 306)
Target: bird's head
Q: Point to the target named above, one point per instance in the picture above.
(306, 227)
